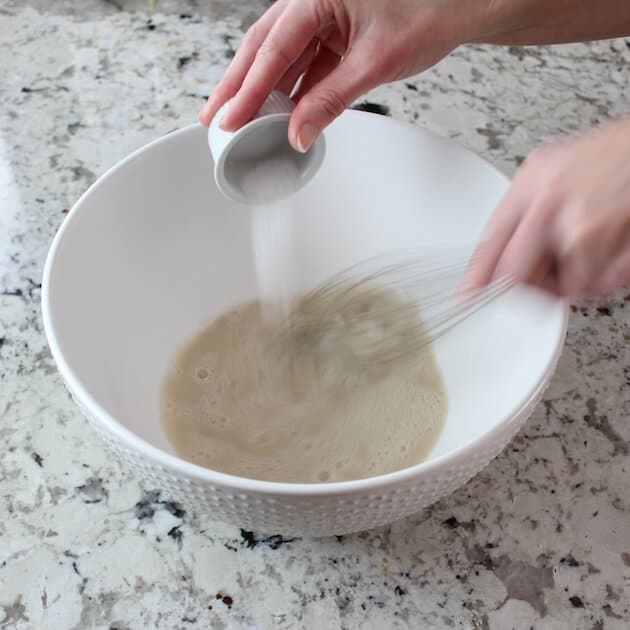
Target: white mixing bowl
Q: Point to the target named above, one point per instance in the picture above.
(152, 252)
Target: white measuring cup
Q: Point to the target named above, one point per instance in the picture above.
(262, 141)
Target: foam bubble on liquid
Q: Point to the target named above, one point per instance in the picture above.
(201, 374)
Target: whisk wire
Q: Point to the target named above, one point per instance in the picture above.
(388, 308)
(430, 329)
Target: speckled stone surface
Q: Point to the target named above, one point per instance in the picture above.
(540, 539)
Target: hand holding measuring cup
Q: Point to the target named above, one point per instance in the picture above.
(564, 222)
(342, 49)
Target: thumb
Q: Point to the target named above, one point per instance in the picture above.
(328, 99)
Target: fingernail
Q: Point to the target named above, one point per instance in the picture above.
(306, 136)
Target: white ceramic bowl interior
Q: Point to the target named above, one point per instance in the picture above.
(153, 251)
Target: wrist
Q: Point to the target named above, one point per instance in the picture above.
(540, 22)
(483, 20)
(459, 22)
(497, 19)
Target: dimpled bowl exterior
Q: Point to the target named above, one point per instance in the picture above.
(121, 292)
(312, 515)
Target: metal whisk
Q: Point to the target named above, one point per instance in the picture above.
(386, 309)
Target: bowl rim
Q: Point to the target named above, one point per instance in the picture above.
(175, 464)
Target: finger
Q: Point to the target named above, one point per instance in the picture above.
(551, 282)
(525, 256)
(288, 81)
(240, 64)
(577, 273)
(586, 245)
(616, 276)
(544, 273)
(325, 62)
(286, 41)
(496, 236)
(575, 235)
(331, 37)
(328, 98)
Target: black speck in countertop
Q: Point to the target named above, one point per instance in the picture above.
(37, 458)
(372, 108)
(453, 523)
(609, 612)
(250, 540)
(602, 424)
(151, 503)
(479, 555)
(74, 127)
(93, 490)
(30, 90)
(80, 172)
(201, 96)
(569, 561)
(226, 599)
(12, 292)
(175, 533)
(576, 601)
(493, 137)
(183, 61)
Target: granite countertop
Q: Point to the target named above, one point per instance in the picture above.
(539, 539)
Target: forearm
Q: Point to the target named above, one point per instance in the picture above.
(535, 22)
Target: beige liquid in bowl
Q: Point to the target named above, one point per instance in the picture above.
(232, 401)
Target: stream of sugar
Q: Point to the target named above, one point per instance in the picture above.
(273, 178)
